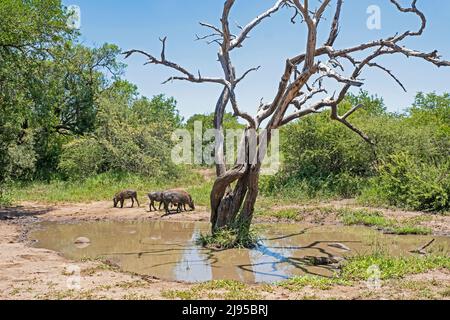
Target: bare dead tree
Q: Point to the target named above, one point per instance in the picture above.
(235, 190)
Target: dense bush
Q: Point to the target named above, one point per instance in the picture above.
(404, 182)
(408, 167)
(324, 158)
(81, 158)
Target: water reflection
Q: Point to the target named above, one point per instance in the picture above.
(168, 250)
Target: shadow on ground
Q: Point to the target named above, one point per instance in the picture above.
(20, 212)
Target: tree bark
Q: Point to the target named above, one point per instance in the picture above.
(234, 193)
(236, 208)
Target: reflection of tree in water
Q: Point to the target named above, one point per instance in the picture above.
(227, 265)
(296, 253)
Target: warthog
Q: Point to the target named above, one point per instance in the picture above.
(123, 195)
(179, 198)
(155, 197)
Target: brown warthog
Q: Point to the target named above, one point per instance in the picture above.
(179, 198)
(123, 195)
(155, 197)
(181, 192)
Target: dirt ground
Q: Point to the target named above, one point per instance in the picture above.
(31, 273)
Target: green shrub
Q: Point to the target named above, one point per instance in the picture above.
(81, 158)
(404, 182)
(5, 198)
(21, 160)
(322, 158)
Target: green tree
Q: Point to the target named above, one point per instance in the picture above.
(132, 135)
(29, 32)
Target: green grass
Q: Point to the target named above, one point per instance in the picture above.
(363, 217)
(321, 283)
(284, 214)
(414, 230)
(446, 292)
(104, 186)
(181, 294)
(6, 199)
(378, 220)
(222, 284)
(355, 269)
(218, 289)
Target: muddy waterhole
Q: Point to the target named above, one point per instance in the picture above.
(168, 250)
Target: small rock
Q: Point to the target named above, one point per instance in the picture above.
(324, 261)
(82, 242)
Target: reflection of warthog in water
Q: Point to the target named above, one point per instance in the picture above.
(178, 198)
(123, 195)
(155, 197)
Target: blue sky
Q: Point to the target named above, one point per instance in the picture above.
(138, 24)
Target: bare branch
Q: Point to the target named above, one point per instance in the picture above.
(210, 26)
(237, 112)
(237, 43)
(412, 9)
(335, 25)
(321, 10)
(356, 130)
(294, 79)
(246, 73)
(188, 76)
(373, 64)
(315, 108)
(333, 74)
(352, 111)
(163, 50)
(198, 38)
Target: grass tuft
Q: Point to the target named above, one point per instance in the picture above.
(284, 214)
(378, 220)
(6, 199)
(218, 289)
(321, 283)
(230, 238)
(356, 268)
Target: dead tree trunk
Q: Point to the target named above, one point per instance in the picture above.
(234, 193)
(233, 207)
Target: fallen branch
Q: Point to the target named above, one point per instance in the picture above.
(421, 250)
